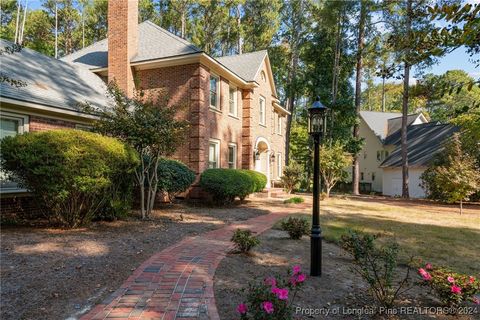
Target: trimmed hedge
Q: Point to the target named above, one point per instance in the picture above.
(75, 175)
(226, 184)
(259, 179)
(174, 177)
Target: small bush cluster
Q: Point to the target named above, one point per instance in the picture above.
(451, 288)
(244, 240)
(376, 265)
(292, 175)
(226, 184)
(75, 175)
(294, 200)
(174, 177)
(296, 227)
(273, 297)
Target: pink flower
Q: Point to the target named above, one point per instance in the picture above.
(450, 279)
(476, 300)
(456, 290)
(281, 294)
(422, 271)
(270, 281)
(428, 266)
(242, 308)
(296, 269)
(471, 279)
(427, 276)
(267, 306)
(301, 277)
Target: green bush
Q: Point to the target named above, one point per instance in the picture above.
(296, 227)
(226, 184)
(259, 179)
(73, 174)
(244, 241)
(292, 175)
(377, 265)
(174, 177)
(294, 200)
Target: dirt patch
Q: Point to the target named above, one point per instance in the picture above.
(56, 274)
(338, 290)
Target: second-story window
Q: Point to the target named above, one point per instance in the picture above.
(262, 110)
(279, 124)
(214, 92)
(232, 99)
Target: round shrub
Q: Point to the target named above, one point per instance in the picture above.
(226, 184)
(244, 240)
(174, 177)
(259, 180)
(296, 227)
(72, 173)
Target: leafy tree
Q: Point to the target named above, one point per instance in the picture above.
(333, 161)
(454, 176)
(260, 22)
(147, 124)
(291, 177)
(301, 150)
(415, 44)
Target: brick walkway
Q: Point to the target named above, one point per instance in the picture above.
(177, 283)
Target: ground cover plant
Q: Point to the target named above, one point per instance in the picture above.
(294, 200)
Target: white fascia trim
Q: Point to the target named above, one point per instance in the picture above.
(46, 108)
(278, 106)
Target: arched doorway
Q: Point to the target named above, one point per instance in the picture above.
(262, 158)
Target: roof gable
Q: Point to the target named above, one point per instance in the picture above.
(50, 82)
(378, 121)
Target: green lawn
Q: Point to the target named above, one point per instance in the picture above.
(436, 234)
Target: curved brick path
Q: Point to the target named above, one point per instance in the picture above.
(177, 283)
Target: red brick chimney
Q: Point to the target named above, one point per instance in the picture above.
(122, 42)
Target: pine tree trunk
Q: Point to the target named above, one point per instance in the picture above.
(383, 94)
(461, 206)
(406, 78)
(358, 95)
(239, 27)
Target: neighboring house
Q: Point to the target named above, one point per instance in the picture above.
(375, 127)
(49, 100)
(236, 120)
(425, 141)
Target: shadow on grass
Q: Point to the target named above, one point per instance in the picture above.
(454, 247)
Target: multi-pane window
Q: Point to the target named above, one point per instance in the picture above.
(279, 165)
(262, 110)
(232, 102)
(10, 125)
(214, 92)
(214, 154)
(232, 156)
(278, 123)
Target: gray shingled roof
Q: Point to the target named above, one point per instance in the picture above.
(378, 121)
(424, 142)
(245, 65)
(50, 82)
(154, 42)
(395, 124)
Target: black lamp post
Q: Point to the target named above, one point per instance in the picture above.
(317, 124)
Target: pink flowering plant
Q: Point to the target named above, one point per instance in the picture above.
(451, 288)
(272, 297)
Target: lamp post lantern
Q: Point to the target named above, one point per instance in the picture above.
(317, 124)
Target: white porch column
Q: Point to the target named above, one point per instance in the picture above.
(268, 169)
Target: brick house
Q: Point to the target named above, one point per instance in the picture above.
(235, 116)
(236, 120)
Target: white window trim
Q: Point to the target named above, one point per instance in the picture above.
(279, 124)
(263, 115)
(279, 165)
(235, 153)
(217, 152)
(24, 127)
(235, 101)
(217, 107)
